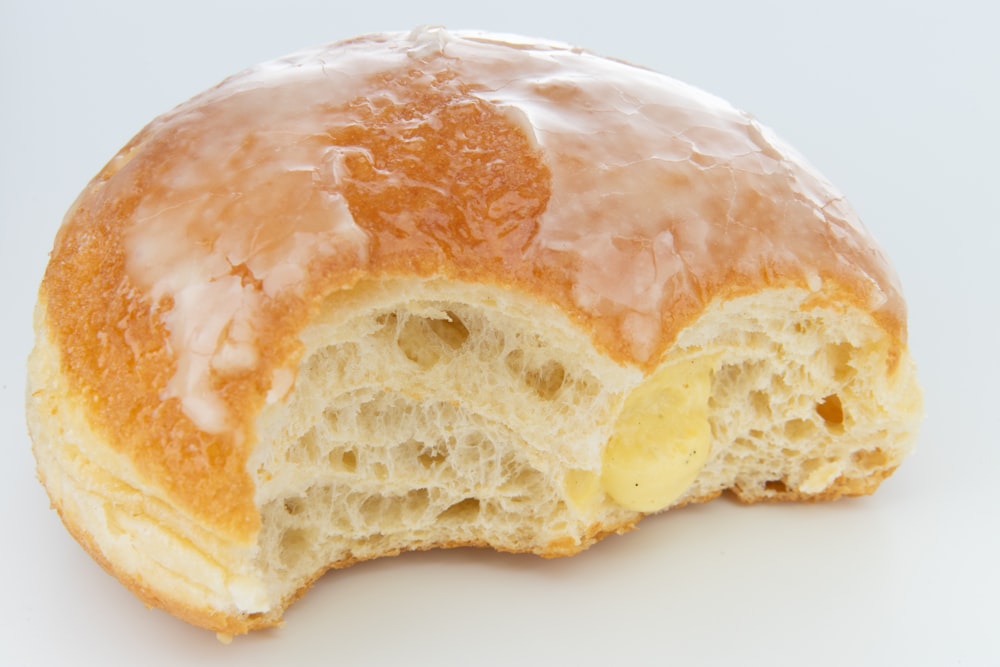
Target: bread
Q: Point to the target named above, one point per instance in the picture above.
(448, 289)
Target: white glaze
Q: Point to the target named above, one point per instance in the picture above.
(639, 164)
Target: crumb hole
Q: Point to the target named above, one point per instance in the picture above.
(295, 544)
(515, 362)
(840, 360)
(306, 450)
(415, 502)
(426, 340)
(452, 331)
(430, 458)
(416, 340)
(871, 459)
(776, 486)
(382, 511)
(465, 510)
(547, 380)
(346, 461)
(761, 403)
(294, 506)
(831, 410)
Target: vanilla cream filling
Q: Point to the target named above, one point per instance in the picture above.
(662, 437)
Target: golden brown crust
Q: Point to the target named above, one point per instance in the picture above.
(183, 275)
(115, 354)
(205, 617)
(238, 624)
(842, 487)
(440, 178)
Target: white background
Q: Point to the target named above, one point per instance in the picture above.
(897, 103)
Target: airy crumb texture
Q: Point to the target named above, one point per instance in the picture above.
(431, 414)
(437, 289)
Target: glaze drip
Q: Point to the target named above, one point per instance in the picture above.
(619, 192)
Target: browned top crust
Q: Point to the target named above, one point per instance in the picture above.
(182, 274)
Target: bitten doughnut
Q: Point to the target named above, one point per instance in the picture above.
(447, 289)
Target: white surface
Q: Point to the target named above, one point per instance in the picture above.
(895, 102)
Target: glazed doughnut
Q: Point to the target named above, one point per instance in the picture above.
(447, 289)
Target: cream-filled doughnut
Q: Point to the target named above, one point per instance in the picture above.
(440, 289)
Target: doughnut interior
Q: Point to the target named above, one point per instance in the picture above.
(444, 289)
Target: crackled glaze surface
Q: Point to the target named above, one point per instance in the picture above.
(623, 196)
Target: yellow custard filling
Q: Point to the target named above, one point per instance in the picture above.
(662, 437)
